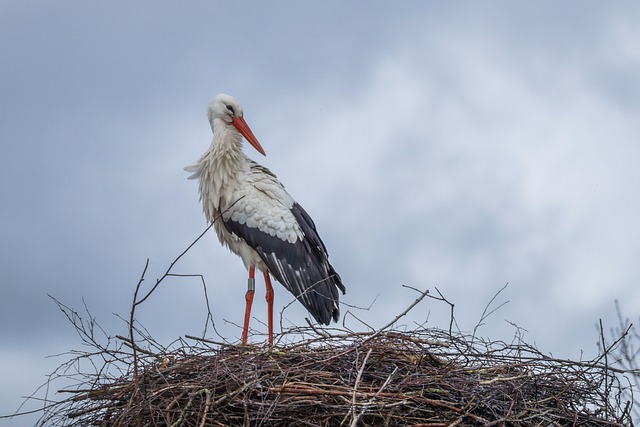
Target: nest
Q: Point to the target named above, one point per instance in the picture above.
(425, 377)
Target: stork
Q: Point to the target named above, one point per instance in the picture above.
(259, 221)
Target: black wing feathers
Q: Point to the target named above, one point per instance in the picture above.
(302, 267)
(318, 248)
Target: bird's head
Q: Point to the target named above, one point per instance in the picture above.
(228, 109)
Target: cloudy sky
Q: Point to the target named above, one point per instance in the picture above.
(460, 145)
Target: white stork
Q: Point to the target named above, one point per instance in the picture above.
(260, 221)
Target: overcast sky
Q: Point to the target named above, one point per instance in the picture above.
(436, 144)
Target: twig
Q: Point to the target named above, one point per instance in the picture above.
(382, 387)
(451, 307)
(355, 419)
(134, 347)
(208, 341)
(399, 316)
(484, 315)
(185, 251)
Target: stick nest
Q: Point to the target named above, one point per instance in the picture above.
(426, 377)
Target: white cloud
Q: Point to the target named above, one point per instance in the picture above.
(478, 166)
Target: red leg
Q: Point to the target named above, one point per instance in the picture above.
(251, 287)
(269, 298)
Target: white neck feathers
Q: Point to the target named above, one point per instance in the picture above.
(221, 168)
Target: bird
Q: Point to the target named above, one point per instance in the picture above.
(256, 218)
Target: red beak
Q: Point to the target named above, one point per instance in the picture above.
(242, 126)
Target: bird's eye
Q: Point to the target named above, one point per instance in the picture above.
(230, 108)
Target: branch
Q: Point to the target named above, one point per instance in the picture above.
(185, 251)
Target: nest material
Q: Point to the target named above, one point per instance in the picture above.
(418, 378)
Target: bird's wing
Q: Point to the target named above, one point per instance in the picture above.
(285, 238)
(262, 204)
